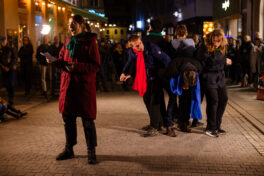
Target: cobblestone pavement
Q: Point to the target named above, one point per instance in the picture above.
(28, 146)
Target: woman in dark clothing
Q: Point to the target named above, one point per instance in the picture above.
(79, 60)
(213, 60)
(25, 53)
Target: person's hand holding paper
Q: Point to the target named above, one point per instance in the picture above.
(49, 57)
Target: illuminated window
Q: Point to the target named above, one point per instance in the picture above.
(116, 31)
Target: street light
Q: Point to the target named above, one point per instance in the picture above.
(45, 29)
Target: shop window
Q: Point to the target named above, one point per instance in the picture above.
(107, 31)
(116, 31)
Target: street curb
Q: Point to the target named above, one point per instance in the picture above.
(249, 117)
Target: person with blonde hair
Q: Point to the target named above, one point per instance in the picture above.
(213, 59)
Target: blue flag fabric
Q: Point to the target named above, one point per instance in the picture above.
(176, 88)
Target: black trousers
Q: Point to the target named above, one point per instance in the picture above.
(71, 131)
(152, 101)
(216, 100)
(185, 106)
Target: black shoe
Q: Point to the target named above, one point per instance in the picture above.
(66, 154)
(91, 156)
(152, 132)
(185, 128)
(21, 114)
(221, 131)
(146, 128)
(196, 123)
(211, 133)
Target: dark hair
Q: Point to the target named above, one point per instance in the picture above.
(87, 27)
(26, 37)
(156, 25)
(78, 18)
(133, 38)
(181, 30)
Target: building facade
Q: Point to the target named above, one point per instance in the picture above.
(30, 17)
(239, 17)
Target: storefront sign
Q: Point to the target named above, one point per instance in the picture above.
(225, 5)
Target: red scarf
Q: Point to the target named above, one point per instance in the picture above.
(140, 82)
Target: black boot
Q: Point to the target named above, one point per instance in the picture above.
(66, 154)
(91, 156)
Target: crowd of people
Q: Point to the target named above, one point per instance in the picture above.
(186, 69)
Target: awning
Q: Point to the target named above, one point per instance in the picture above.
(88, 15)
(85, 13)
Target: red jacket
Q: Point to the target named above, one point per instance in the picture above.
(77, 89)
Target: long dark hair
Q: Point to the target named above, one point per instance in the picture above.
(78, 18)
(29, 42)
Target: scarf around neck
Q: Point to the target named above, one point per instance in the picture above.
(155, 33)
(140, 82)
(73, 44)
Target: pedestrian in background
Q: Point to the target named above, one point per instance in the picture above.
(43, 48)
(79, 60)
(8, 60)
(26, 63)
(54, 51)
(245, 53)
(213, 60)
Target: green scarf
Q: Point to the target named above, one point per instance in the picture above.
(73, 44)
(155, 34)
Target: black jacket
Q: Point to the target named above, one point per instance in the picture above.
(213, 75)
(181, 64)
(162, 43)
(8, 56)
(25, 53)
(42, 59)
(54, 50)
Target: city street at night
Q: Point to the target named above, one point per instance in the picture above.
(30, 145)
(131, 87)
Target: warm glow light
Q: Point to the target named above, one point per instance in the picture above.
(105, 24)
(45, 29)
(91, 23)
(59, 8)
(43, 3)
(63, 8)
(36, 3)
(49, 5)
(210, 29)
(72, 14)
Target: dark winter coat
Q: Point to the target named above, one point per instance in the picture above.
(161, 42)
(8, 56)
(42, 59)
(54, 50)
(181, 64)
(154, 60)
(78, 90)
(25, 54)
(213, 68)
